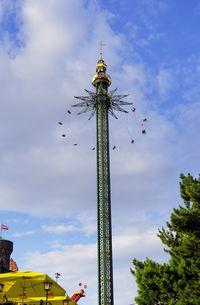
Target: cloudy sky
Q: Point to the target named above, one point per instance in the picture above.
(48, 54)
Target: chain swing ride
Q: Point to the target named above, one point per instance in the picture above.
(102, 103)
(114, 104)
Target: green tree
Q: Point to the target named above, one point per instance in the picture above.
(178, 281)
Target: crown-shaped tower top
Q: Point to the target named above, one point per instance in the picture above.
(101, 75)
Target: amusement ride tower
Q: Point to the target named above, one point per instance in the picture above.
(103, 103)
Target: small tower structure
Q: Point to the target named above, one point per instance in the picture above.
(6, 248)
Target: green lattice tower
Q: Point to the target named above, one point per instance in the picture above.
(105, 273)
(102, 103)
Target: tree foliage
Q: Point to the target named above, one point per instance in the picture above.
(178, 281)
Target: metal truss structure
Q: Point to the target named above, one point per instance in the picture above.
(113, 102)
(103, 103)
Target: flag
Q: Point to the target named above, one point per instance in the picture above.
(3, 227)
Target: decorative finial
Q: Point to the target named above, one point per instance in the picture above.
(101, 44)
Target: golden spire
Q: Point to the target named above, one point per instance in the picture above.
(101, 75)
(101, 44)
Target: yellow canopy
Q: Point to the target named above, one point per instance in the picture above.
(53, 300)
(27, 286)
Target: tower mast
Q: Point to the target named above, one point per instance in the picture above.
(105, 274)
(103, 103)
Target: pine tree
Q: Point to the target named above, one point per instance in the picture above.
(178, 281)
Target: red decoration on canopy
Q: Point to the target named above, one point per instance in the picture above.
(13, 265)
(77, 295)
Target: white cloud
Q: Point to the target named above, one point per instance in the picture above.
(55, 244)
(20, 234)
(131, 243)
(83, 223)
(77, 263)
(59, 229)
(165, 81)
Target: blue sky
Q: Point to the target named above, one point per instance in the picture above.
(48, 54)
